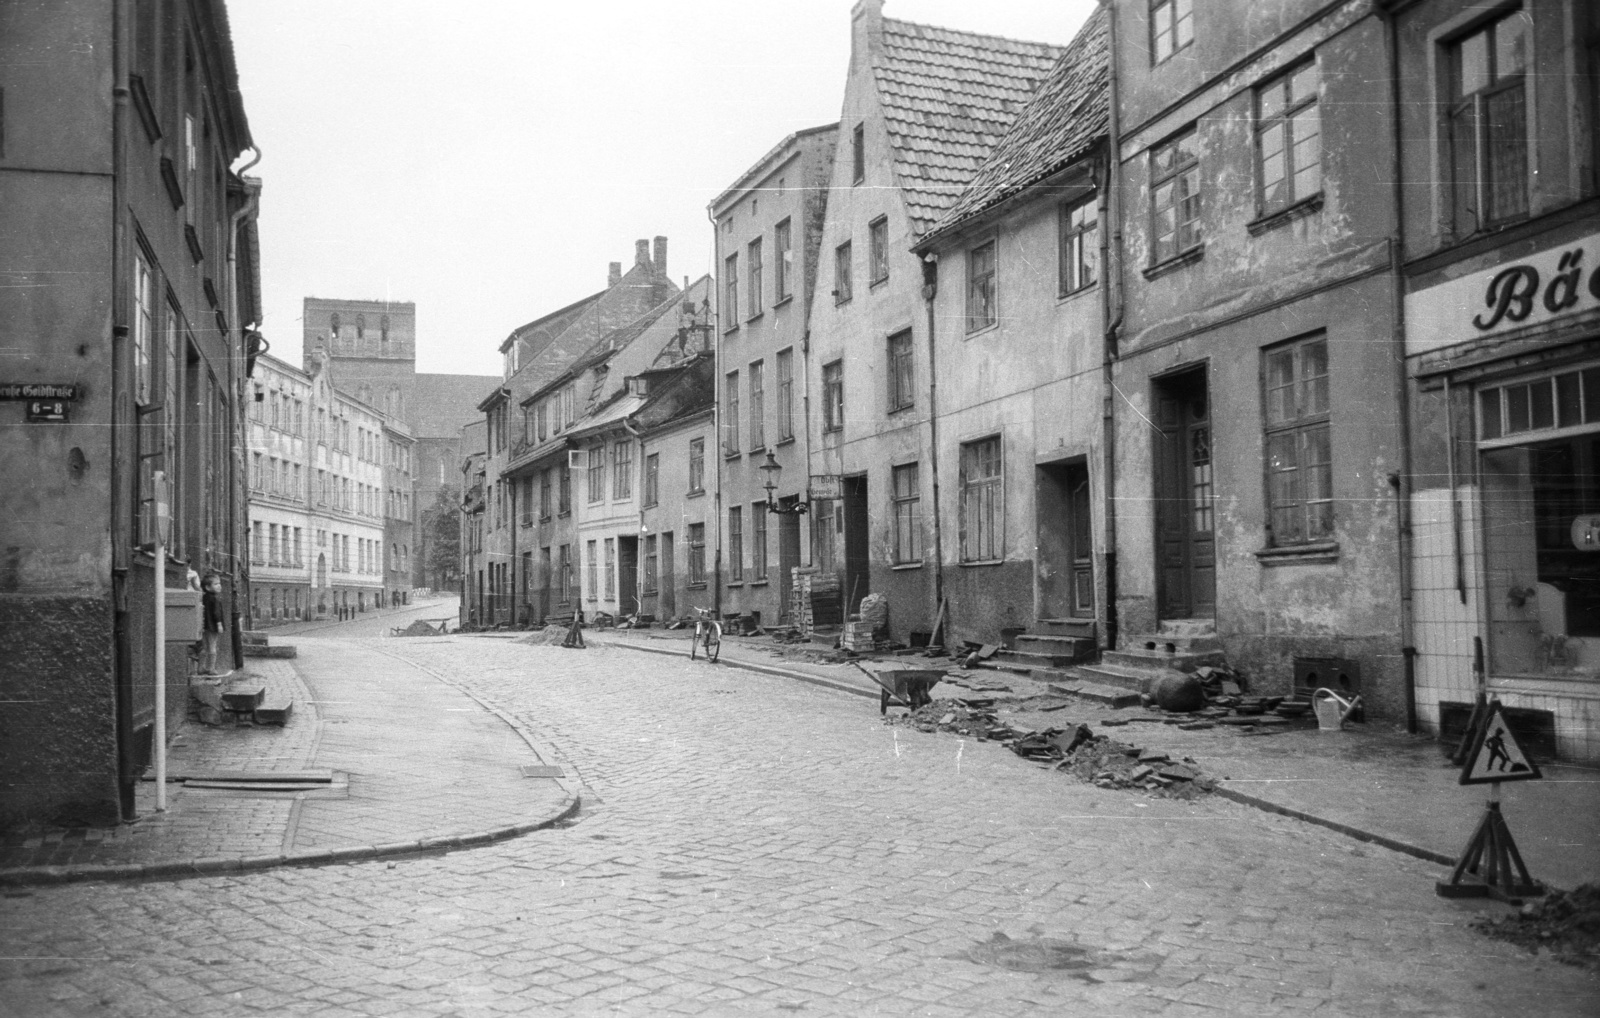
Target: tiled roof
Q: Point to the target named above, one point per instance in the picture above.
(1064, 118)
(441, 404)
(947, 97)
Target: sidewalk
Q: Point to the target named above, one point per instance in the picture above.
(1373, 784)
(409, 763)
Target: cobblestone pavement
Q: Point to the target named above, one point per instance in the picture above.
(754, 845)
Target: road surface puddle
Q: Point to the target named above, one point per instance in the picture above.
(1044, 954)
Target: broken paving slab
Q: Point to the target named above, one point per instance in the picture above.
(1111, 696)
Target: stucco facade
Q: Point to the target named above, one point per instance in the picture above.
(129, 290)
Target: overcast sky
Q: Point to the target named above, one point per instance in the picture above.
(487, 158)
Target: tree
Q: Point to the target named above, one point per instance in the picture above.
(441, 537)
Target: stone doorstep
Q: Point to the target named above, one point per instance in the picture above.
(1160, 661)
(1137, 680)
(243, 699)
(1116, 697)
(274, 713)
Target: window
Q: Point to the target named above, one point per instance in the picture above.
(823, 526)
(833, 396)
(878, 250)
(569, 400)
(907, 499)
(1488, 124)
(758, 540)
(622, 469)
(1299, 455)
(597, 473)
(730, 293)
(735, 544)
(785, 395)
(982, 501)
(783, 268)
(1174, 198)
(652, 478)
(858, 154)
(651, 570)
(1288, 139)
(697, 553)
(1561, 401)
(900, 371)
(1171, 27)
(144, 329)
(611, 569)
(841, 273)
(566, 573)
(541, 419)
(1080, 250)
(753, 258)
(758, 407)
(565, 505)
(730, 420)
(980, 287)
(544, 494)
(591, 572)
(697, 465)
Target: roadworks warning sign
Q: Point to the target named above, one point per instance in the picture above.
(1495, 754)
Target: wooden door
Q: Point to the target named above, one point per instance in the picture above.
(1186, 544)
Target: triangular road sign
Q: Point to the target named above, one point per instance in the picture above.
(1495, 754)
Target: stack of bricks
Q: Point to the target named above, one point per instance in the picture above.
(817, 600)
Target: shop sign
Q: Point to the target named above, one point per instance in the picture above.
(1547, 286)
(826, 487)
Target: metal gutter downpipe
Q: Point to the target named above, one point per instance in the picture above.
(121, 538)
(239, 386)
(930, 290)
(1111, 297)
(1401, 480)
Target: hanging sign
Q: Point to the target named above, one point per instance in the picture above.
(826, 487)
(1495, 754)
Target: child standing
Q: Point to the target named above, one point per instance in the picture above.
(213, 623)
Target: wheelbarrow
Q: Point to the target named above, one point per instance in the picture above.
(907, 687)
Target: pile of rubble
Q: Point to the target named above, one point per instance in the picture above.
(1075, 749)
(1564, 923)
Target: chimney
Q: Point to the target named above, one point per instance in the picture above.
(866, 30)
(661, 257)
(641, 252)
(615, 275)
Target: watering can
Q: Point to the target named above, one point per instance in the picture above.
(1332, 709)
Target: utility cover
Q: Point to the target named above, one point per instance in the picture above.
(1495, 754)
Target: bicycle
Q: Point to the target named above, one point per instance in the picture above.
(707, 634)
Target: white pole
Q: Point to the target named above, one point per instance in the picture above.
(160, 739)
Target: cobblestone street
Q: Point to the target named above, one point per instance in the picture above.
(750, 845)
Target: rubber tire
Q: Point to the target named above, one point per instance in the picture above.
(713, 644)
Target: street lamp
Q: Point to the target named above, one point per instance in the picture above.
(772, 468)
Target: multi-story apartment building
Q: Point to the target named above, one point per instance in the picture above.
(317, 515)
(1254, 390)
(1500, 212)
(526, 419)
(922, 107)
(131, 284)
(768, 229)
(1014, 354)
(399, 512)
(373, 347)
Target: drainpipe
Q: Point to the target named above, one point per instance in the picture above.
(1111, 298)
(715, 320)
(238, 385)
(121, 542)
(930, 290)
(1401, 480)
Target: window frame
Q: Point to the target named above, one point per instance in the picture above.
(902, 371)
(858, 154)
(785, 395)
(843, 270)
(1175, 23)
(695, 535)
(735, 544)
(755, 375)
(1179, 169)
(1456, 102)
(1286, 117)
(697, 466)
(652, 479)
(652, 570)
(833, 396)
(783, 262)
(730, 422)
(730, 292)
(1306, 420)
(1077, 249)
(982, 286)
(906, 514)
(753, 267)
(982, 500)
(758, 542)
(878, 251)
(622, 470)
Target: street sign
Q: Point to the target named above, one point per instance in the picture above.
(47, 410)
(37, 390)
(826, 487)
(1495, 754)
